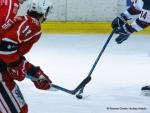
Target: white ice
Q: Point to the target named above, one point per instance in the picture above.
(116, 81)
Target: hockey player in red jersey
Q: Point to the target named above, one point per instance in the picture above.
(138, 7)
(13, 65)
(8, 9)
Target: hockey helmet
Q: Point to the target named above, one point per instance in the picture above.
(40, 8)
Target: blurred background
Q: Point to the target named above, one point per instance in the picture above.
(82, 16)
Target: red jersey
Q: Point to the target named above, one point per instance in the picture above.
(8, 10)
(20, 38)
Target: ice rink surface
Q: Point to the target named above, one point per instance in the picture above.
(116, 81)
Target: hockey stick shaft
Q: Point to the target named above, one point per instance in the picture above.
(86, 80)
(57, 87)
(100, 54)
(53, 86)
(95, 63)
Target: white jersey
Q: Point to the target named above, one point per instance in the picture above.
(144, 7)
(138, 4)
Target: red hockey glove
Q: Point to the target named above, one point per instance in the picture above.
(43, 81)
(19, 71)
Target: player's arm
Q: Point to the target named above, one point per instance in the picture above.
(17, 65)
(134, 9)
(20, 68)
(139, 24)
(143, 21)
(125, 31)
(6, 18)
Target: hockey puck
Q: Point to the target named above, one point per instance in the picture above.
(79, 96)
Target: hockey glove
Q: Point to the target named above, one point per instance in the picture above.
(119, 21)
(124, 33)
(18, 70)
(43, 81)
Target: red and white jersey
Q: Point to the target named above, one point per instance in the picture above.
(20, 38)
(8, 10)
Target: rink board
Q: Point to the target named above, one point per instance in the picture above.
(80, 27)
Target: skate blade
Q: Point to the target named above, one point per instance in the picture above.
(145, 93)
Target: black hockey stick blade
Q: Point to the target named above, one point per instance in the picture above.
(73, 92)
(82, 84)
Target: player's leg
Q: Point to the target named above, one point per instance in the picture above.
(11, 99)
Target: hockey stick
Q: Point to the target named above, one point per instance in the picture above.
(56, 87)
(81, 88)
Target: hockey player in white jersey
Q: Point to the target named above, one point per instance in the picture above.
(138, 7)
